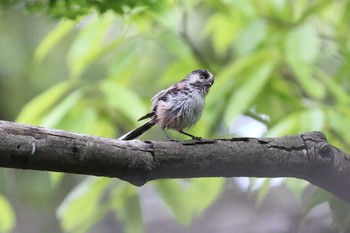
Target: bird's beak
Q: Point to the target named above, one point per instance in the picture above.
(210, 82)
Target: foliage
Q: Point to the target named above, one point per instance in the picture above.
(7, 216)
(73, 9)
(281, 59)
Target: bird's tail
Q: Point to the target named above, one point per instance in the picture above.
(135, 133)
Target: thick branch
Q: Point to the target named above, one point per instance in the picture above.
(307, 156)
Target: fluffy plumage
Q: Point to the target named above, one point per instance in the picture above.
(179, 107)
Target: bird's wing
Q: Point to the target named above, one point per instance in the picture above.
(162, 95)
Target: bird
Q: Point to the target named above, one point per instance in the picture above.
(178, 107)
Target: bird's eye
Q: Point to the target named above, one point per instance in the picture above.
(201, 77)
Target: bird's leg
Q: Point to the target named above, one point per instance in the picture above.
(167, 136)
(190, 135)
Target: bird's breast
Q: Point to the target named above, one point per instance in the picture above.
(180, 111)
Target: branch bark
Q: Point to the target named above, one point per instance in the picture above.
(307, 156)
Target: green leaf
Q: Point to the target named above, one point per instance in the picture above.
(296, 186)
(220, 28)
(85, 117)
(120, 98)
(301, 50)
(234, 74)
(186, 199)
(251, 37)
(83, 207)
(252, 184)
(339, 122)
(52, 38)
(302, 44)
(299, 122)
(56, 178)
(60, 110)
(73, 9)
(263, 191)
(244, 96)
(123, 64)
(341, 213)
(175, 198)
(80, 118)
(90, 44)
(318, 197)
(33, 111)
(303, 73)
(280, 10)
(277, 99)
(230, 80)
(126, 204)
(171, 74)
(212, 187)
(7, 216)
(177, 47)
(334, 88)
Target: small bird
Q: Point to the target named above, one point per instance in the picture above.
(179, 107)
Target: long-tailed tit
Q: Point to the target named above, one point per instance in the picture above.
(179, 107)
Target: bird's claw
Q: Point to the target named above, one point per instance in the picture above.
(196, 138)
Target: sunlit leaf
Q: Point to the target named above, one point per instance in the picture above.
(212, 187)
(234, 74)
(339, 122)
(277, 99)
(123, 64)
(302, 44)
(174, 73)
(248, 9)
(85, 118)
(303, 121)
(244, 96)
(187, 200)
(33, 111)
(120, 98)
(126, 205)
(251, 37)
(302, 48)
(75, 8)
(7, 216)
(55, 178)
(84, 206)
(52, 38)
(296, 186)
(61, 109)
(176, 45)
(282, 10)
(223, 32)
(233, 81)
(335, 88)
(303, 73)
(90, 44)
(175, 197)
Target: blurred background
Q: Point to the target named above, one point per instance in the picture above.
(281, 68)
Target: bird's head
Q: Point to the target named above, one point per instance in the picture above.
(201, 80)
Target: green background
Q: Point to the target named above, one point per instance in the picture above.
(93, 66)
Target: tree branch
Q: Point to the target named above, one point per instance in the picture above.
(307, 156)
